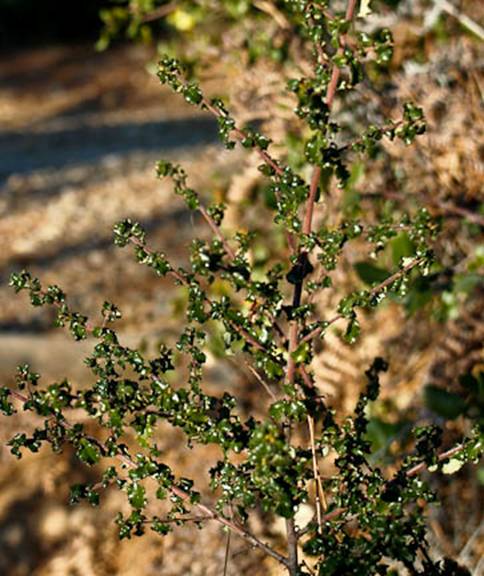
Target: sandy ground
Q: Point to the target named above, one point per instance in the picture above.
(79, 135)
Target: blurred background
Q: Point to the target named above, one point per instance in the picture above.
(80, 131)
(27, 22)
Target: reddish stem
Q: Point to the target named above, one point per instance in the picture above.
(216, 230)
(313, 191)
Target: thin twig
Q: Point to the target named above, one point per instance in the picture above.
(337, 512)
(391, 279)
(333, 83)
(216, 230)
(313, 190)
(317, 479)
(254, 372)
(241, 135)
(373, 292)
(179, 519)
(208, 512)
(442, 456)
(321, 502)
(227, 547)
(292, 563)
(261, 381)
(160, 12)
(227, 554)
(467, 22)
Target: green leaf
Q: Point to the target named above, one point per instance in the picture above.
(88, 452)
(381, 433)
(5, 405)
(136, 495)
(369, 273)
(160, 527)
(302, 353)
(446, 404)
(401, 247)
(352, 331)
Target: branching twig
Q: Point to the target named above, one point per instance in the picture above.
(216, 230)
(330, 95)
(263, 154)
(241, 135)
(298, 288)
(175, 274)
(442, 456)
(207, 512)
(417, 469)
(440, 205)
(374, 291)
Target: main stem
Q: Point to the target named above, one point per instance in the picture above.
(292, 561)
(298, 288)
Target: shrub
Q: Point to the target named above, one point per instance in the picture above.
(367, 518)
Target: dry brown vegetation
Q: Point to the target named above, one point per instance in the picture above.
(79, 136)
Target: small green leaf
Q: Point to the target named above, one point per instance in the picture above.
(302, 353)
(137, 495)
(369, 273)
(88, 452)
(352, 331)
(402, 247)
(160, 527)
(446, 404)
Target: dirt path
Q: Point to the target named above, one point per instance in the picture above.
(79, 135)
